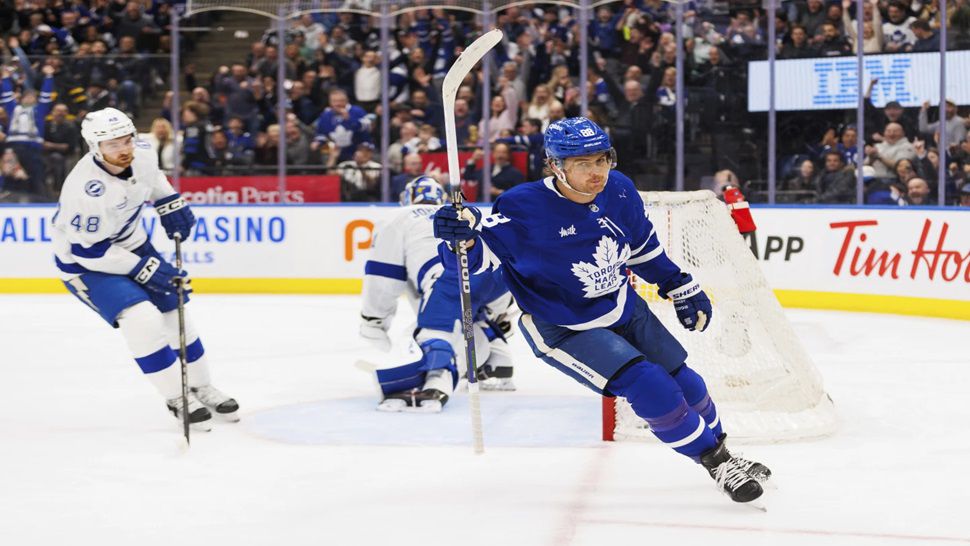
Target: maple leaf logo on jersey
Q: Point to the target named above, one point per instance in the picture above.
(605, 275)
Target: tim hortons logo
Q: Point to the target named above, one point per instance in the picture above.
(931, 259)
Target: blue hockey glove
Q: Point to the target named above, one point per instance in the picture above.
(158, 275)
(176, 216)
(451, 228)
(691, 303)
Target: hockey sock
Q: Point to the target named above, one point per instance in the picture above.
(198, 365)
(695, 392)
(143, 329)
(657, 398)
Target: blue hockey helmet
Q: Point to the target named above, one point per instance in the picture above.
(423, 190)
(572, 137)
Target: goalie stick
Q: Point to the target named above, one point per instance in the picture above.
(449, 90)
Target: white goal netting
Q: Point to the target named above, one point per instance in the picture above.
(762, 380)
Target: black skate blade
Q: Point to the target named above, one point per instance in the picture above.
(230, 417)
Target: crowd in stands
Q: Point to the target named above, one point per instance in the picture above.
(95, 50)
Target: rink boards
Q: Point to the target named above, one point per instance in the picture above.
(909, 260)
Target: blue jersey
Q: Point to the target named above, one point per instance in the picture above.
(566, 263)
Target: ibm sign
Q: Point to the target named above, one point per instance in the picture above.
(831, 83)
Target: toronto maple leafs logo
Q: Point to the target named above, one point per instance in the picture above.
(605, 275)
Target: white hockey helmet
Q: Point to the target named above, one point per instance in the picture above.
(107, 124)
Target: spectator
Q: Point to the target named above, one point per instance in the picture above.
(137, 25)
(61, 143)
(927, 162)
(892, 113)
(805, 180)
(130, 72)
(800, 47)
(413, 168)
(504, 112)
(396, 152)
(634, 118)
(464, 122)
(302, 105)
(897, 29)
(360, 177)
(965, 195)
(162, 138)
(832, 44)
(195, 135)
(918, 192)
(367, 82)
(927, 39)
(956, 127)
(837, 184)
(904, 172)
(530, 138)
(344, 124)
(884, 155)
(504, 174)
(426, 141)
(242, 146)
(812, 16)
(872, 37)
(26, 123)
(539, 106)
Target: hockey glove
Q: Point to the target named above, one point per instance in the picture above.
(451, 228)
(691, 303)
(374, 330)
(176, 216)
(157, 275)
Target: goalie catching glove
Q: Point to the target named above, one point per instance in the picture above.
(452, 228)
(176, 216)
(691, 303)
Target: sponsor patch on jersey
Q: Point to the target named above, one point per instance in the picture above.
(94, 188)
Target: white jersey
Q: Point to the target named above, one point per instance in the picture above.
(404, 254)
(98, 220)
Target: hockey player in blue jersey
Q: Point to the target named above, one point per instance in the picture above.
(107, 261)
(565, 244)
(404, 259)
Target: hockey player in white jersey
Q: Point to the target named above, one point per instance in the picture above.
(106, 260)
(404, 259)
(566, 244)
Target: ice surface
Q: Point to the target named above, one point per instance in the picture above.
(88, 454)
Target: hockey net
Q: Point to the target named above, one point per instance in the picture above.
(764, 384)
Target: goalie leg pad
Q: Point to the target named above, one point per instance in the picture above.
(658, 399)
(695, 392)
(401, 378)
(438, 355)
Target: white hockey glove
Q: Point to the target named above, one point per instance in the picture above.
(374, 330)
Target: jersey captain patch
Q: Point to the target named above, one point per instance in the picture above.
(94, 188)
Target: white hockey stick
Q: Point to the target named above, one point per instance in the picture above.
(449, 90)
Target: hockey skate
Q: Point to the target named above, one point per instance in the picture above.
(414, 401)
(730, 473)
(754, 469)
(199, 416)
(214, 399)
(495, 379)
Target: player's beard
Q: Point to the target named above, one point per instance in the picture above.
(122, 161)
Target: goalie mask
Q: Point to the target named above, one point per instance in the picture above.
(107, 124)
(423, 190)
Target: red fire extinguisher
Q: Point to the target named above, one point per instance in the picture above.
(739, 209)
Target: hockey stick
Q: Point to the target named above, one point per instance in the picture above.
(449, 91)
(179, 288)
